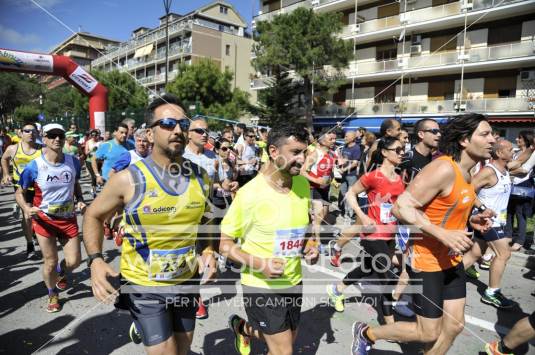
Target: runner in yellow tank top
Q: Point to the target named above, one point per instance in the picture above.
(20, 155)
(438, 204)
(163, 197)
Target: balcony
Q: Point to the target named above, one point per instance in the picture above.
(440, 60)
(285, 9)
(427, 107)
(451, 14)
(155, 79)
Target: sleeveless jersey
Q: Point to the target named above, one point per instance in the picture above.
(497, 197)
(323, 166)
(21, 159)
(160, 227)
(449, 212)
(54, 185)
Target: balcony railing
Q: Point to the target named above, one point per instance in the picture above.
(474, 55)
(153, 79)
(511, 104)
(284, 10)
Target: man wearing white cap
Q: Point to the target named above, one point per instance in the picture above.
(54, 176)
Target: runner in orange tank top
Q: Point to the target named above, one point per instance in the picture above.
(438, 205)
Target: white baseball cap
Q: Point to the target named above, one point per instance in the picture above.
(53, 127)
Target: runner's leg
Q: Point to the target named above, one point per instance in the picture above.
(503, 252)
(280, 343)
(71, 251)
(452, 325)
(183, 342)
(49, 250)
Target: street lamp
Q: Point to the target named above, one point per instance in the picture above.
(167, 6)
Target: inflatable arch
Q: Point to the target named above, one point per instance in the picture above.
(59, 65)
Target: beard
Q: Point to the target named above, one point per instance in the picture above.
(172, 154)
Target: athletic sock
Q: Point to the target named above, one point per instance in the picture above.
(335, 290)
(504, 349)
(337, 247)
(60, 268)
(491, 291)
(52, 291)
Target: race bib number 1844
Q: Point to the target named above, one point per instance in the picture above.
(289, 242)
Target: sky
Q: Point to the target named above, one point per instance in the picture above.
(26, 26)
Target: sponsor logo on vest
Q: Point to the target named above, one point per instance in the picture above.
(65, 177)
(193, 204)
(157, 210)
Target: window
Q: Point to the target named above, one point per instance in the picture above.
(227, 49)
(223, 10)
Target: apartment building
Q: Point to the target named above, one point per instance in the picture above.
(215, 31)
(82, 47)
(430, 58)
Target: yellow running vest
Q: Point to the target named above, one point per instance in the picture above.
(161, 230)
(21, 159)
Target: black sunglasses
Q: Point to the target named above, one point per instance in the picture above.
(434, 131)
(55, 135)
(200, 131)
(249, 136)
(398, 150)
(224, 149)
(170, 123)
(29, 130)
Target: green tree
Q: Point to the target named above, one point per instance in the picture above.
(303, 41)
(278, 102)
(26, 113)
(58, 101)
(15, 90)
(205, 86)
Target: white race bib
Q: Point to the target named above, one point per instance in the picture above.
(386, 213)
(169, 265)
(289, 242)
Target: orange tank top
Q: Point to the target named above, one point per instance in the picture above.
(449, 212)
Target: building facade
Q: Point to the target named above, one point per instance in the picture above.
(430, 58)
(215, 31)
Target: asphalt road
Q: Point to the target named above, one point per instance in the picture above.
(85, 326)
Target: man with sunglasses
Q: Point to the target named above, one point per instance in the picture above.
(54, 176)
(163, 198)
(20, 155)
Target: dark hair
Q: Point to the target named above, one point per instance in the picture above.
(420, 125)
(227, 129)
(160, 101)
(527, 136)
(278, 135)
(249, 130)
(383, 143)
(121, 125)
(241, 125)
(263, 130)
(386, 125)
(457, 129)
(30, 123)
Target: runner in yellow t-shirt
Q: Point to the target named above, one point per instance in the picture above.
(270, 217)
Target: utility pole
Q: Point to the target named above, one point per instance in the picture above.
(167, 6)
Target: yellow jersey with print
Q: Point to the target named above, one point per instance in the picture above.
(270, 224)
(161, 223)
(21, 159)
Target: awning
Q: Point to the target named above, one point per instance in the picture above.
(371, 124)
(143, 51)
(413, 120)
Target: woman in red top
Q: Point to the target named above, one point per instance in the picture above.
(378, 227)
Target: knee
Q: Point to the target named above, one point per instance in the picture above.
(49, 264)
(429, 334)
(456, 328)
(72, 262)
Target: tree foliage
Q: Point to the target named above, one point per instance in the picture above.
(303, 41)
(206, 87)
(26, 113)
(16, 90)
(279, 101)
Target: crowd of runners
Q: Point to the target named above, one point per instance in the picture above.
(424, 205)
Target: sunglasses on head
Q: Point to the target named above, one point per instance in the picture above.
(434, 131)
(200, 131)
(398, 150)
(29, 130)
(170, 123)
(55, 135)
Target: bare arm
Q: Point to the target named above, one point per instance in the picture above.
(370, 152)
(309, 161)
(436, 179)
(6, 159)
(351, 198)
(484, 178)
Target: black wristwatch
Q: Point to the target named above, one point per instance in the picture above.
(92, 257)
(482, 208)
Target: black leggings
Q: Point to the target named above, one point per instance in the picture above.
(378, 260)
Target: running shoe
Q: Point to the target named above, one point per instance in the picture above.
(497, 300)
(472, 273)
(485, 264)
(360, 345)
(61, 284)
(493, 348)
(242, 343)
(135, 336)
(335, 259)
(336, 300)
(53, 304)
(201, 313)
